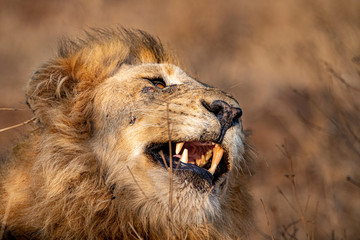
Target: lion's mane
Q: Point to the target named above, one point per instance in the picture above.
(55, 187)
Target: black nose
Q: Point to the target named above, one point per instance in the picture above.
(226, 114)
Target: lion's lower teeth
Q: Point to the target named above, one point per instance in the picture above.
(218, 152)
(185, 156)
(202, 161)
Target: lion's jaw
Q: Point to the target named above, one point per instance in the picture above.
(131, 125)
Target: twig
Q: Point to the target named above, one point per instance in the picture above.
(267, 219)
(295, 229)
(14, 109)
(17, 125)
(136, 181)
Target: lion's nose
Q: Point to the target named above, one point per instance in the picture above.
(226, 114)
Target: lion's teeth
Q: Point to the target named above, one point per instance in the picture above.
(201, 161)
(185, 156)
(179, 147)
(218, 152)
(208, 155)
(198, 162)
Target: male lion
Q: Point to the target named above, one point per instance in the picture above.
(126, 146)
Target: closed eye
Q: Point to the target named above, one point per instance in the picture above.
(158, 82)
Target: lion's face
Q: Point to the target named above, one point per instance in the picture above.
(153, 116)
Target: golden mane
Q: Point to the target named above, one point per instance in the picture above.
(61, 186)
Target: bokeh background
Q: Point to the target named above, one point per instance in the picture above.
(293, 65)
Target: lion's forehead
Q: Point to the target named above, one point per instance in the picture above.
(174, 74)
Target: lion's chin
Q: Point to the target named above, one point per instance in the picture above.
(201, 163)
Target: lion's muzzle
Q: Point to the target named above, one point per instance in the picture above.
(226, 114)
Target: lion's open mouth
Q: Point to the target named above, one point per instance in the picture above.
(205, 160)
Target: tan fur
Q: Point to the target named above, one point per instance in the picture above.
(83, 173)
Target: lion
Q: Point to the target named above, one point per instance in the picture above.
(126, 145)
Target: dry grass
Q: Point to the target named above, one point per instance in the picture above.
(258, 51)
(267, 220)
(4, 220)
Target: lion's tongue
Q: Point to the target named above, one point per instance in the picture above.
(199, 154)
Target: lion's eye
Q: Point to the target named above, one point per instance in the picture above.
(159, 85)
(158, 82)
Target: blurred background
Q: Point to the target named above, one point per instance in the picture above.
(293, 65)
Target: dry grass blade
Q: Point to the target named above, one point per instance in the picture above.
(14, 109)
(267, 220)
(357, 184)
(163, 158)
(340, 121)
(291, 177)
(307, 204)
(136, 233)
(314, 221)
(136, 181)
(180, 225)
(171, 209)
(17, 125)
(208, 192)
(286, 199)
(338, 77)
(4, 220)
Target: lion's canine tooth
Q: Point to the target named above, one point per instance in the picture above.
(218, 152)
(185, 156)
(179, 147)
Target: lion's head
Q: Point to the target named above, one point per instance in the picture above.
(128, 143)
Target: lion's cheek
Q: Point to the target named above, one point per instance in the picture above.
(152, 181)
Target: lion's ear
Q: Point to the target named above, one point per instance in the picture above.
(59, 86)
(50, 89)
